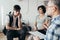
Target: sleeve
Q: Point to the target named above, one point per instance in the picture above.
(57, 34)
(7, 19)
(57, 31)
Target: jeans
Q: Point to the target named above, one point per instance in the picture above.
(14, 33)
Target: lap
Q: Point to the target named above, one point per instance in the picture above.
(13, 33)
(38, 34)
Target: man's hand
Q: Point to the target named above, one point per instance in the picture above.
(11, 28)
(19, 16)
(15, 28)
(18, 28)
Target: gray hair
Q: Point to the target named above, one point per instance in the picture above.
(57, 3)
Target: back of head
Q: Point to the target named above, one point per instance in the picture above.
(56, 2)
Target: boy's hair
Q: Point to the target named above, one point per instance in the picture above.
(17, 7)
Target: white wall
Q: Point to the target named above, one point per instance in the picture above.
(28, 9)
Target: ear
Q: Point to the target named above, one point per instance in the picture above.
(55, 8)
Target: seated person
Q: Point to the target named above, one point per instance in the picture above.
(40, 19)
(53, 31)
(41, 24)
(14, 25)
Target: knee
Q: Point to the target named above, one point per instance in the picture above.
(36, 38)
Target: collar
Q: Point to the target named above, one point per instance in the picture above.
(55, 17)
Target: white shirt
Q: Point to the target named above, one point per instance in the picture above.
(14, 20)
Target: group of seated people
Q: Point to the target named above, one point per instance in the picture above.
(47, 25)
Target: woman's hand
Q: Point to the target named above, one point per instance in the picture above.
(45, 26)
(35, 28)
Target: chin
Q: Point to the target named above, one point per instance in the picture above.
(15, 15)
(49, 15)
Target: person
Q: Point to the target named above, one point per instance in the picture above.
(14, 25)
(40, 19)
(53, 31)
(40, 25)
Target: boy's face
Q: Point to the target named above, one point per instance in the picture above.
(16, 12)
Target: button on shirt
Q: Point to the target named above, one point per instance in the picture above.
(53, 32)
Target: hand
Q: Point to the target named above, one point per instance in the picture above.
(45, 26)
(35, 28)
(19, 16)
(18, 29)
(14, 28)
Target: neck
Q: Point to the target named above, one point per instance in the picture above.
(15, 15)
(55, 14)
(41, 14)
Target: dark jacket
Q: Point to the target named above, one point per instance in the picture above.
(11, 20)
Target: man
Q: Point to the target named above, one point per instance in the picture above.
(14, 25)
(53, 9)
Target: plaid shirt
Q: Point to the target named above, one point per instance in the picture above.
(53, 32)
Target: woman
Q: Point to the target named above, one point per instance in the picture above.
(41, 24)
(40, 19)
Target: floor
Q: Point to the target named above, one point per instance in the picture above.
(3, 37)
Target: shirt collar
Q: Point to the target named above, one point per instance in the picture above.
(55, 17)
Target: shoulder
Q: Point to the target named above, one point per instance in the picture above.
(57, 20)
(7, 17)
(37, 16)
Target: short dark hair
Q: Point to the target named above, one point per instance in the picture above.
(57, 3)
(43, 7)
(17, 7)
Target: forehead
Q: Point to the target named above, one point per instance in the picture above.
(17, 10)
(40, 8)
(50, 3)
